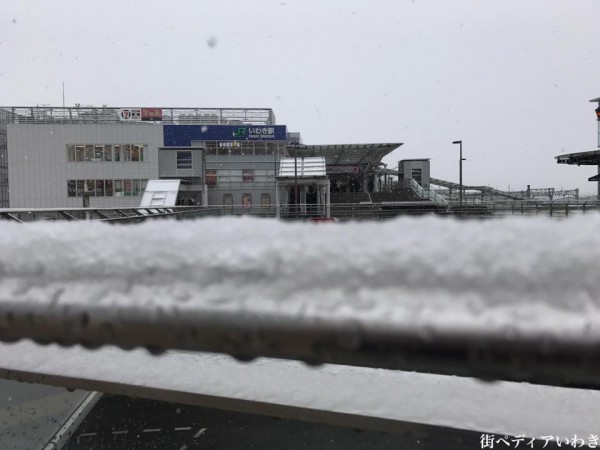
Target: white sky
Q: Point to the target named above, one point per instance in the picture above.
(512, 79)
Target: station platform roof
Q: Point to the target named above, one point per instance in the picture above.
(350, 154)
(589, 158)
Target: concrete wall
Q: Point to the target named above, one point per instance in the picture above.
(408, 165)
(167, 163)
(38, 165)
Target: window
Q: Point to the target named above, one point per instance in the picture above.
(184, 159)
(247, 201)
(417, 175)
(90, 187)
(211, 177)
(104, 152)
(265, 200)
(105, 188)
(126, 152)
(127, 188)
(137, 152)
(99, 153)
(99, 188)
(71, 188)
(108, 153)
(89, 153)
(247, 175)
(79, 152)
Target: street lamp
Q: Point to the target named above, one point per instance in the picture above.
(460, 160)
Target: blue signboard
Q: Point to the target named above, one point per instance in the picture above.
(183, 135)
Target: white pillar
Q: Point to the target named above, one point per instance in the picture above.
(205, 195)
(328, 198)
(277, 204)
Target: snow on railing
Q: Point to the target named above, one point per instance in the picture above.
(515, 299)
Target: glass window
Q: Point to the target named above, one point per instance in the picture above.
(211, 148)
(137, 153)
(89, 152)
(108, 190)
(126, 152)
(211, 177)
(127, 187)
(80, 188)
(99, 153)
(118, 188)
(117, 153)
(99, 188)
(265, 200)
(417, 175)
(90, 187)
(108, 153)
(247, 175)
(260, 148)
(79, 153)
(70, 153)
(247, 148)
(184, 159)
(247, 201)
(71, 188)
(135, 187)
(144, 184)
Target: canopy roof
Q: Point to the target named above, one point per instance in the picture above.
(352, 154)
(591, 158)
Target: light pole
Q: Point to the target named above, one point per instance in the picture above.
(460, 185)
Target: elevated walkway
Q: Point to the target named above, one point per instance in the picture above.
(483, 189)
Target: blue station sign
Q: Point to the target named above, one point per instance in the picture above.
(183, 135)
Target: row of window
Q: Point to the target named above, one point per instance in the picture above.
(215, 177)
(105, 152)
(106, 188)
(244, 148)
(265, 201)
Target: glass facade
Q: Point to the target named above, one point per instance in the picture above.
(105, 152)
(106, 188)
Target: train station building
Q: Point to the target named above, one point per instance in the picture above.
(54, 157)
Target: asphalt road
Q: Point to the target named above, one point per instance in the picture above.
(30, 414)
(125, 423)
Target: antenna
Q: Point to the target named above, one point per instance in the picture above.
(63, 89)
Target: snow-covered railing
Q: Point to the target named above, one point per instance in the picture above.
(514, 299)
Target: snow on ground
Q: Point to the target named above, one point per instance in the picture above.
(512, 275)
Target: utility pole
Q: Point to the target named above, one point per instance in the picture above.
(460, 183)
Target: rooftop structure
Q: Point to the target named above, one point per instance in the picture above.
(588, 158)
(104, 114)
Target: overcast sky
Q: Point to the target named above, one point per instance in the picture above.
(512, 79)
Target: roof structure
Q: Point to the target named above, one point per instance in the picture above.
(591, 158)
(302, 167)
(351, 154)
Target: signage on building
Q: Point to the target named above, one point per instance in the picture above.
(130, 114)
(183, 135)
(140, 114)
(153, 114)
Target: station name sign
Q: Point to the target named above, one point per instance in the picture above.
(140, 114)
(175, 135)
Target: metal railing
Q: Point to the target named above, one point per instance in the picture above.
(425, 194)
(177, 116)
